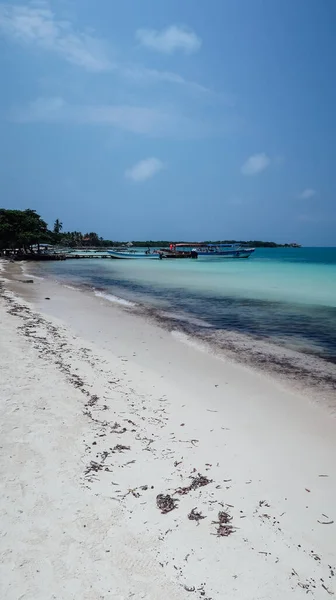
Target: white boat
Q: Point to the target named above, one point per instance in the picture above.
(134, 254)
(216, 250)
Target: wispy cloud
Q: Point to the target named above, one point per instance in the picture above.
(35, 25)
(144, 170)
(256, 164)
(307, 193)
(143, 120)
(146, 75)
(170, 40)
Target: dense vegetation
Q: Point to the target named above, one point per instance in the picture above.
(21, 229)
(25, 230)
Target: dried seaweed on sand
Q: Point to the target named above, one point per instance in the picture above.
(165, 503)
(224, 528)
(194, 515)
(197, 482)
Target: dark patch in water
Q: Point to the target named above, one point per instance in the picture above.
(309, 329)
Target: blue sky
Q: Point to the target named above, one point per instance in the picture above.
(181, 119)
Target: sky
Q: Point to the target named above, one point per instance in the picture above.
(175, 119)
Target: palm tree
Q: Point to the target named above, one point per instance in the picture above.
(58, 226)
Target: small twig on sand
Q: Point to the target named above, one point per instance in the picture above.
(325, 522)
(326, 589)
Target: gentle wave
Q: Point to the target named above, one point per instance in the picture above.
(184, 318)
(115, 299)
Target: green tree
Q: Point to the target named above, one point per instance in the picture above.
(21, 229)
(58, 226)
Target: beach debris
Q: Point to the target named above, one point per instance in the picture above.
(307, 490)
(166, 503)
(116, 428)
(224, 528)
(120, 448)
(134, 491)
(327, 590)
(92, 401)
(325, 522)
(95, 467)
(194, 515)
(47, 298)
(315, 556)
(190, 589)
(263, 503)
(197, 482)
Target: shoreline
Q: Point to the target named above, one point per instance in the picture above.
(127, 412)
(293, 368)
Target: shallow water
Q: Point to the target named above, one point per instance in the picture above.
(287, 296)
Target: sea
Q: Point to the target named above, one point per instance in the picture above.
(276, 310)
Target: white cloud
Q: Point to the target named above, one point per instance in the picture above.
(255, 164)
(307, 193)
(35, 25)
(143, 120)
(137, 119)
(145, 75)
(170, 39)
(145, 169)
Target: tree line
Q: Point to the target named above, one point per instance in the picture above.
(25, 230)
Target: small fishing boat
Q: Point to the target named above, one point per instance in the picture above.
(134, 254)
(163, 253)
(215, 250)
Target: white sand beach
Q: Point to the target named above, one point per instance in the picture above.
(102, 412)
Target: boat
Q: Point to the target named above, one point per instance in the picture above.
(215, 250)
(134, 254)
(162, 253)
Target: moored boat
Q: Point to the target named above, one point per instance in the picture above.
(163, 253)
(134, 254)
(215, 250)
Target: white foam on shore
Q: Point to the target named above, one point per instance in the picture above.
(24, 269)
(70, 287)
(115, 299)
(185, 318)
(192, 342)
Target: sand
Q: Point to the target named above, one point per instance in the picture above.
(101, 412)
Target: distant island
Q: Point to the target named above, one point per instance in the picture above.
(25, 231)
(250, 243)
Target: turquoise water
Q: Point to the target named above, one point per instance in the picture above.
(284, 295)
